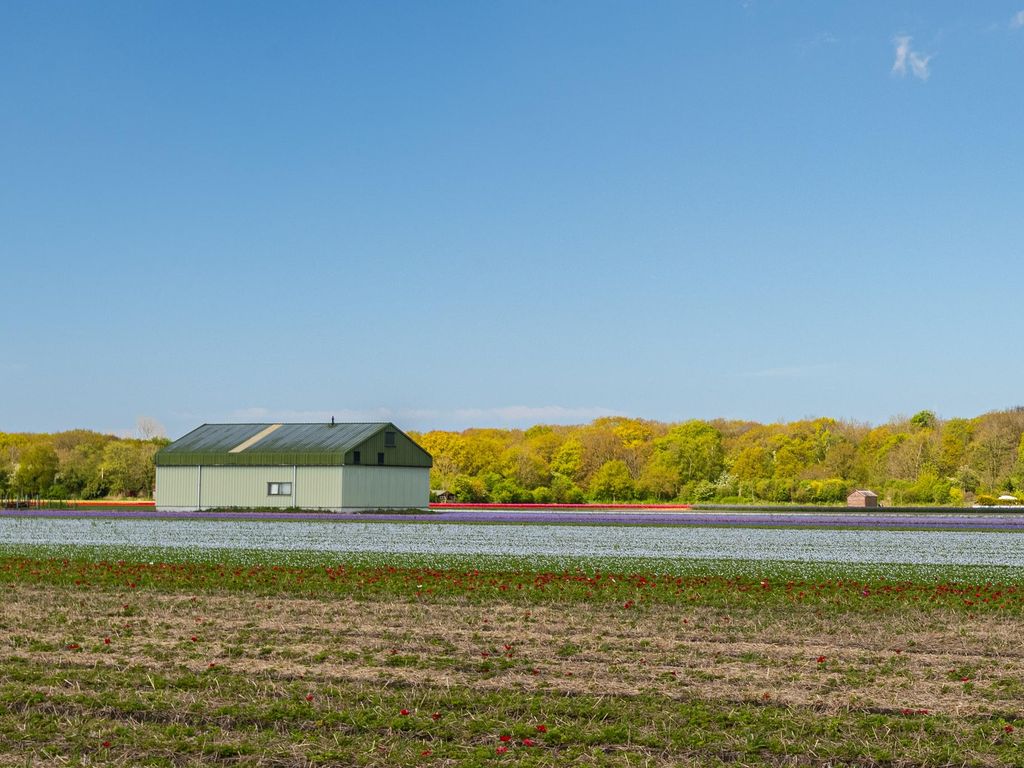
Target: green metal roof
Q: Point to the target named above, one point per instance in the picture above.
(283, 444)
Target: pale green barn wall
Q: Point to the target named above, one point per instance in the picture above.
(244, 486)
(378, 487)
(177, 487)
(313, 487)
(318, 487)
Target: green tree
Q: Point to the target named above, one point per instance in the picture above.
(564, 490)
(752, 463)
(694, 449)
(37, 470)
(568, 459)
(924, 420)
(612, 482)
(994, 451)
(80, 471)
(659, 478)
(506, 491)
(128, 467)
(956, 436)
(966, 480)
(468, 489)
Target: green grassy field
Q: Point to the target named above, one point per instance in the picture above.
(131, 657)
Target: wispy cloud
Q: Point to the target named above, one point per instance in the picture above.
(905, 54)
(1017, 21)
(817, 42)
(426, 418)
(528, 414)
(259, 414)
(794, 371)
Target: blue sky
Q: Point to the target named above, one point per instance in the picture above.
(468, 214)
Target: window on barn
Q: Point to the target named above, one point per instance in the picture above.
(279, 489)
(355, 457)
(389, 439)
(380, 458)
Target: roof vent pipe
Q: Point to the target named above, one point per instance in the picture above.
(332, 421)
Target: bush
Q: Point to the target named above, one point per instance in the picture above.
(564, 490)
(704, 491)
(832, 491)
(468, 490)
(508, 492)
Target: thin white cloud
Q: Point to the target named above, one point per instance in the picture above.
(527, 414)
(426, 418)
(899, 67)
(816, 43)
(794, 371)
(261, 414)
(1017, 21)
(919, 63)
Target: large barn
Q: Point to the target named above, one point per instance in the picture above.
(336, 467)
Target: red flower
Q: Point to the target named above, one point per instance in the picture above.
(436, 716)
(404, 712)
(105, 745)
(542, 728)
(194, 639)
(529, 743)
(505, 737)
(309, 697)
(1008, 728)
(501, 750)
(106, 641)
(426, 753)
(821, 659)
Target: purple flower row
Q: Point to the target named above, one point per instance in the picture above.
(825, 520)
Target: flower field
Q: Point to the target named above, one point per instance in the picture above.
(627, 542)
(175, 656)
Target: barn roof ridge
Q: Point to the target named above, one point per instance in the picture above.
(316, 443)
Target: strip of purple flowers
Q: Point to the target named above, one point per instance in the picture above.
(790, 520)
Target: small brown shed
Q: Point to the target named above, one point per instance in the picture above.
(862, 499)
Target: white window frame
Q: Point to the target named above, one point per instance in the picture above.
(279, 489)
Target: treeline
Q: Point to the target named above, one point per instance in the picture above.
(916, 460)
(78, 464)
